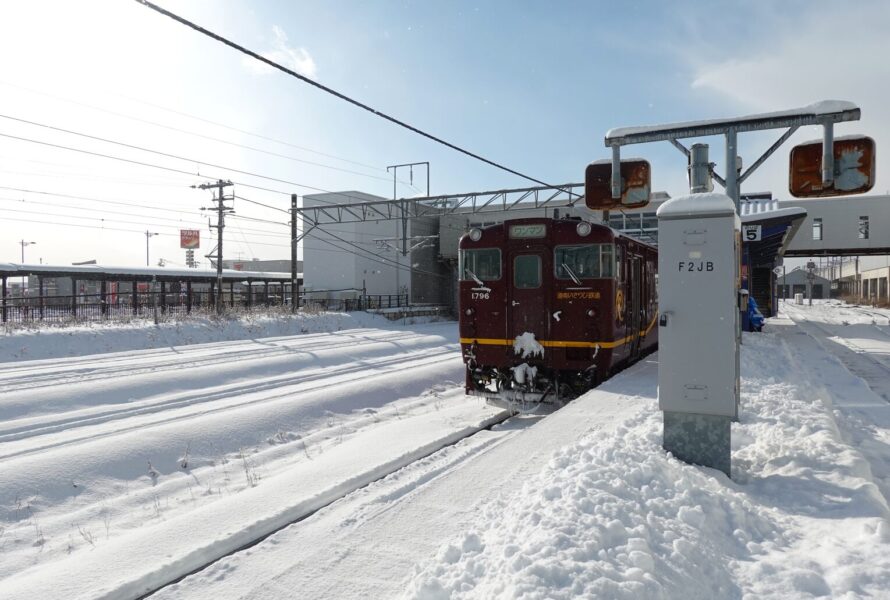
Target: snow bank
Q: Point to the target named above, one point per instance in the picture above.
(614, 516)
(97, 338)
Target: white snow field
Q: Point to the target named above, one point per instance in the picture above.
(353, 436)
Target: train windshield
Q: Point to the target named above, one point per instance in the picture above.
(590, 261)
(480, 263)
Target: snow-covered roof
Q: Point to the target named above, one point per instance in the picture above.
(98, 270)
(817, 109)
(752, 211)
(699, 205)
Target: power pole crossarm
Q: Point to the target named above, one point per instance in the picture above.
(221, 210)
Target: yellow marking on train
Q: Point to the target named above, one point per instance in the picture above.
(564, 343)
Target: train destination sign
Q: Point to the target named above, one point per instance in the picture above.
(534, 230)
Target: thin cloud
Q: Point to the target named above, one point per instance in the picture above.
(804, 59)
(296, 59)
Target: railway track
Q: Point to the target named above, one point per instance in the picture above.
(279, 388)
(50, 373)
(842, 352)
(261, 536)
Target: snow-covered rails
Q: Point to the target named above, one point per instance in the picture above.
(550, 308)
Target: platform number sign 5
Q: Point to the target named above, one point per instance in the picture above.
(751, 233)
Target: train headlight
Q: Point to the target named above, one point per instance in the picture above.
(591, 313)
(475, 234)
(469, 312)
(583, 228)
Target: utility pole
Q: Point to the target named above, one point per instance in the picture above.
(294, 282)
(221, 209)
(148, 234)
(403, 208)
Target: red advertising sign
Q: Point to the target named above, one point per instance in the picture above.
(189, 238)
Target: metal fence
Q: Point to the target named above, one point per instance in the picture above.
(96, 307)
(364, 302)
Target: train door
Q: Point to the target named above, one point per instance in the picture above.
(527, 308)
(634, 304)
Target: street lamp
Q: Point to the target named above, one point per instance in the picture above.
(148, 234)
(23, 243)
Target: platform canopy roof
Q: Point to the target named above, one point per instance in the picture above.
(777, 228)
(111, 273)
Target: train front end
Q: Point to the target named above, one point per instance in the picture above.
(536, 299)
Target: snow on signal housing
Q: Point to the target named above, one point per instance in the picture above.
(636, 184)
(854, 168)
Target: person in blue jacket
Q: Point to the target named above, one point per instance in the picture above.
(755, 317)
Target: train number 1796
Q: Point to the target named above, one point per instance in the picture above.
(480, 296)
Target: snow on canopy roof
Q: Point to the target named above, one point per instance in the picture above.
(752, 211)
(98, 270)
(825, 107)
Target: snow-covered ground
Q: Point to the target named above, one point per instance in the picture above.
(338, 430)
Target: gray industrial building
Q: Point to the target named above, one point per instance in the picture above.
(795, 282)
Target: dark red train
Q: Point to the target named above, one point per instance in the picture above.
(550, 308)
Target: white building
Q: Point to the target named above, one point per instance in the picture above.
(346, 259)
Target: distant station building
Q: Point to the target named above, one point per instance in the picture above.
(795, 282)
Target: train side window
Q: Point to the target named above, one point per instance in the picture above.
(607, 260)
(527, 271)
(484, 263)
(619, 252)
(591, 261)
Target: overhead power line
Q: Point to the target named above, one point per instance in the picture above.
(166, 155)
(108, 228)
(147, 219)
(337, 94)
(372, 256)
(158, 152)
(89, 199)
(213, 138)
(261, 204)
(196, 118)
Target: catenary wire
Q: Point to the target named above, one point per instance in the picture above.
(196, 118)
(141, 223)
(167, 155)
(337, 94)
(89, 199)
(158, 152)
(209, 137)
(148, 219)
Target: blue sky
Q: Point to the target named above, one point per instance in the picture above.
(532, 85)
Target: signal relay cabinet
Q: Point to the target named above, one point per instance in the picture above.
(698, 282)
